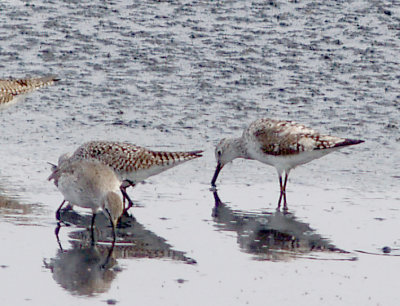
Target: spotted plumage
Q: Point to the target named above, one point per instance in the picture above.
(132, 164)
(281, 144)
(281, 138)
(9, 89)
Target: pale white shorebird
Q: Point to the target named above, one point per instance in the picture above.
(281, 144)
(89, 184)
(132, 164)
(12, 88)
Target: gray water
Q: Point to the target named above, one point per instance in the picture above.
(180, 75)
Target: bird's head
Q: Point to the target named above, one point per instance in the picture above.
(226, 151)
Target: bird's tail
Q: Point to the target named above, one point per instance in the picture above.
(22, 86)
(176, 157)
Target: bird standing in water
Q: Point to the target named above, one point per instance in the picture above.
(281, 144)
(89, 184)
(132, 164)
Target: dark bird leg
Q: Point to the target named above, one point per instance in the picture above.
(126, 196)
(281, 195)
(284, 192)
(112, 226)
(125, 184)
(58, 212)
(92, 228)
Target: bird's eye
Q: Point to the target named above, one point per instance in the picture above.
(219, 153)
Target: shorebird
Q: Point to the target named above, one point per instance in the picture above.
(89, 184)
(281, 144)
(132, 164)
(9, 89)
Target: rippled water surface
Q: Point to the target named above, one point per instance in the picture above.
(180, 75)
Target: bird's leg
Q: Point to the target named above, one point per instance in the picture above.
(123, 191)
(112, 226)
(92, 227)
(125, 184)
(126, 196)
(284, 192)
(281, 195)
(58, 212)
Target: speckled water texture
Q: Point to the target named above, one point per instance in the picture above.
(179, 76)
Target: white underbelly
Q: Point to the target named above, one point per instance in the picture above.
(288, 162)
(75, 194)
(142, 174)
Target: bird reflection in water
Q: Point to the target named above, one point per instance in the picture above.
(85, 269)
(88, 268)
(274, 236)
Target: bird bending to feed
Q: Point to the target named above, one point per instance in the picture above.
(132, 164)
(9, 89)
(89, 184)
(281, 144)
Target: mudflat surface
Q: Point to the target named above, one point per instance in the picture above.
(181, 75)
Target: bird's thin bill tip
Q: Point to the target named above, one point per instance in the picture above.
(213, 188)
(191, 261)
(214, 179)
(216, 173)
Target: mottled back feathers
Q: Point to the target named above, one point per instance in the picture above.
(281, 138)
(11, 88)
(122, 156)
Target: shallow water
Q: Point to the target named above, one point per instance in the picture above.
(180, 75)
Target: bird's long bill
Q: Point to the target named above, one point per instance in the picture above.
(217, 171)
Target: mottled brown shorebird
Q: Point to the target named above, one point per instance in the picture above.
(89, 184)
(9, 89)
(132, 164)
(281, 144)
